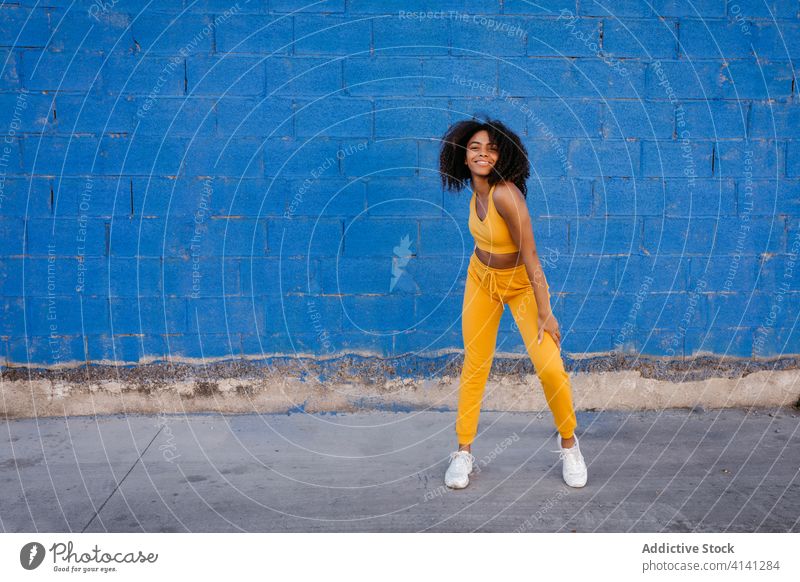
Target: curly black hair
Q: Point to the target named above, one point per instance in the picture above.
(512, 160)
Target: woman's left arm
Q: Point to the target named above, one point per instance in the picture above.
(510, 203)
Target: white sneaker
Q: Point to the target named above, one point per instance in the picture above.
(457, 475)
(574, 468)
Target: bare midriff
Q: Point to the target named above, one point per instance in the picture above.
(497, 260)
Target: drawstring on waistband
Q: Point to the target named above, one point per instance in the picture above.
(492, 280)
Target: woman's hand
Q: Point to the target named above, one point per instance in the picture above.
(549, 324)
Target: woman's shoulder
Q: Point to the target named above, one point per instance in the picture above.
(506, 191)
(508, 199)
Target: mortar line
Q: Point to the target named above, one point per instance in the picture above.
(99, 509)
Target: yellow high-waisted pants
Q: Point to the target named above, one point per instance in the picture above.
(487, 289)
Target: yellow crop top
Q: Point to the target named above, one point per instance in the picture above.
(491, 234)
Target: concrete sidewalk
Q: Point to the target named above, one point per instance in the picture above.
(673, 470)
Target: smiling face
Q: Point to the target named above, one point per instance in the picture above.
(481, 155)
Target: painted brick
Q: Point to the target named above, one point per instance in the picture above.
(730, 342)
(775, 273)
(404, 197)
(67, 315)
(331, 35)
(713, 119)
(297, 314)
(771, 9)
(246, 176)
(271, 117)
(384, 314)
(638, 119)
(130, 74)
(689, 8)
(307, 158)
(316, 198)
(560, 197)
(721, 39)
(396, 35)
(384, 158)
(652, 274)
(769, 198)
(334, 117)
(564, 36)
(359, 275)
(443, 237)
(68, 236)
(702, 236)
(722, 274)
(775, 120)
(651, 38)
(26, 112)
(221, 7)
(93, 113)
(169, 34)
(408, 8)
(578, 274)
(302, 237)
(444, 77)
(302, 76)
(254, 34)
(412, 118)
(623, 8)
(212, 156)
(583, 77)
(603, 158)
(379, 237)
(225, 76)
(512, 110)
(260, 276)
(604, 311)
(564, 118)
(677, 159)
(438, 276)
(759, 158)
(793, 159)
(612, 236)
(225, 315)
(303, 6)
(56, 350)
(494, 34)
(775, 39)
(777, 343)
(548, 158)
(127, 277)
(552, 235)
(10, 74)
(22, 27)
(546, 7)
(175, 116)
(13, 234)
(11, 155)
(146, 155)
(48, 71)
(629, 197)
(109, 31)
(670, 80)
(437, 313)
(686, 198)
(157, 315)
(749, 79)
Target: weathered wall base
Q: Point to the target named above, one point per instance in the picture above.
(350, 385)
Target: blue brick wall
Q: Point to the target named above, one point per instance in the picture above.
(213, 179)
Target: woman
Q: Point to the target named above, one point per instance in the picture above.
(504, 269)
